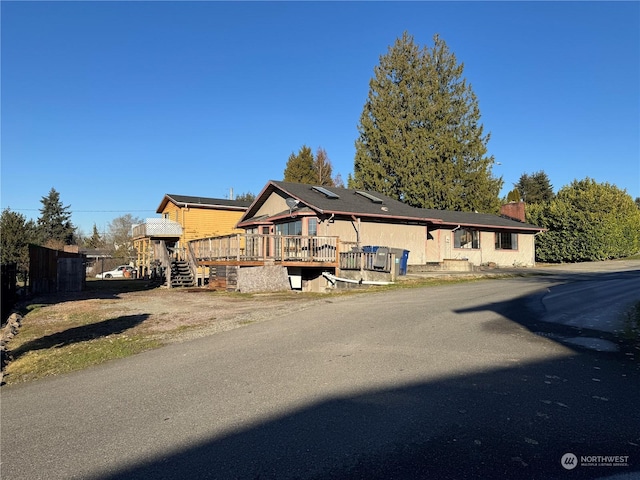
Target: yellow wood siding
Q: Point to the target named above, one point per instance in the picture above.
(200, 223)
(170, 212)
(203, 222)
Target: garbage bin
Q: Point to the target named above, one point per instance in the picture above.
(404, 262)
(402, 258)
(379, 261)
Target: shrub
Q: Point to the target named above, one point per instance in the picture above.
(586, 221)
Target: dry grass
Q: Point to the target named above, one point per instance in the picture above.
(73, 334)
(115, 319)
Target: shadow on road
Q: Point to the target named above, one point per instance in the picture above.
(529, 312)
(509, 423)
(515, 422)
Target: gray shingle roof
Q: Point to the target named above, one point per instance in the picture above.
(344, 201)
(348, 201)
(183, 200)
(481, 219)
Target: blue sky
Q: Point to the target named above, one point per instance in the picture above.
(114, 104)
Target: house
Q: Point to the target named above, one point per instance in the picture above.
(95, 258)
(504, 240)
(182, 219)
(363, 218)
(303, 236)
(201, 216)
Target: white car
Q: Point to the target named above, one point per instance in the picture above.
(119, 272)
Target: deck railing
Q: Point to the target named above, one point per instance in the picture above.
(358, 260)
(259, 247)
(157, 227)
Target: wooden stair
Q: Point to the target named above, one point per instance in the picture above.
(181, 274)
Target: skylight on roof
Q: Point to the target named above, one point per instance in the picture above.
(373, 198)
(325, 192)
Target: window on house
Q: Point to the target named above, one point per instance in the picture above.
(289, 228)
(165, 216)
(506, 241)
(466, 238)
(312, 227)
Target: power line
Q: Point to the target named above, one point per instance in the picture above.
(80, 211)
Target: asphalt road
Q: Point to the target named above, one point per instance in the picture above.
(472, 380)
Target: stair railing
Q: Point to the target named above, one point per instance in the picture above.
(193, 264)
(166, 260)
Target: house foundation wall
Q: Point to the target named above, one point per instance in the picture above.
(269, 278)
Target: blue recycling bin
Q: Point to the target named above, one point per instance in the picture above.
(402, 258)
(403, 262)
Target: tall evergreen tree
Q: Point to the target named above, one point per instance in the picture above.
(299, 167)
(54, 224)
(313, 170)
(95, 240)
(513, 196)
(535, 188)
(421, 140)
(323, 168)
(16, 232)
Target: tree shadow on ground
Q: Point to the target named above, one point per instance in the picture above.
(529, 313)
(80, 334)
(512, 423)
(507, 423)
(95, 289)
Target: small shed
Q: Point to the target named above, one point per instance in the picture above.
(55, 271)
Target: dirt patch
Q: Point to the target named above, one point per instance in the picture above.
(63, 334)
(176, 314)
(185, 314)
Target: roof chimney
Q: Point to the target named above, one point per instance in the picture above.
(514, 211)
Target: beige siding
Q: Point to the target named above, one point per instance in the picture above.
(423, 248)
(524, 256)
(434, 242)
(405, 237)
(273, 205)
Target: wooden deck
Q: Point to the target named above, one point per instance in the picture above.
(288, 250)
(160, 252)
(257, 249)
